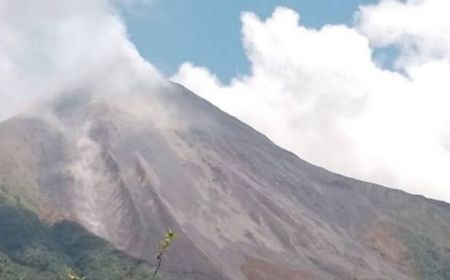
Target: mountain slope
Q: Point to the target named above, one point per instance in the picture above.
(128, 167)
(30, 249)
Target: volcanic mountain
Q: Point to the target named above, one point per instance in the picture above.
(123, 169)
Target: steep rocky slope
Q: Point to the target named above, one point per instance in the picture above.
(128, 167)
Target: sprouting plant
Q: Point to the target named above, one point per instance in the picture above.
(71, 275)
(169, 236)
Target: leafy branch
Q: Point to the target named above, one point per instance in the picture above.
(71, 275)
(169, 236)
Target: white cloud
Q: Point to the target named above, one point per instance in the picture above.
(320, 94)
(420, 28)
(52, 46)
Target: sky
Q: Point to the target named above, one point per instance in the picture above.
(361, 89)
(208, 32)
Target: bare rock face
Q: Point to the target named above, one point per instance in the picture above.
(127, 168)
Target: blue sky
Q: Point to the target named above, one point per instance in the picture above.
(208, 32)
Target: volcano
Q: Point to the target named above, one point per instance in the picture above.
(125, 168)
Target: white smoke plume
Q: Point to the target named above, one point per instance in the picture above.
(51, 46)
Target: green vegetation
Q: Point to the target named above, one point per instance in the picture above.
(433, 263)
(165, 244)
(32, 250)
(71, 275)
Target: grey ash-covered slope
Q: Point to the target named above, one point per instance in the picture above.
(128, 167)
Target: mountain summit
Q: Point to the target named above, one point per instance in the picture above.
(129, 167)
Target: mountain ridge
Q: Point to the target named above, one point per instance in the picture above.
(128, 167)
